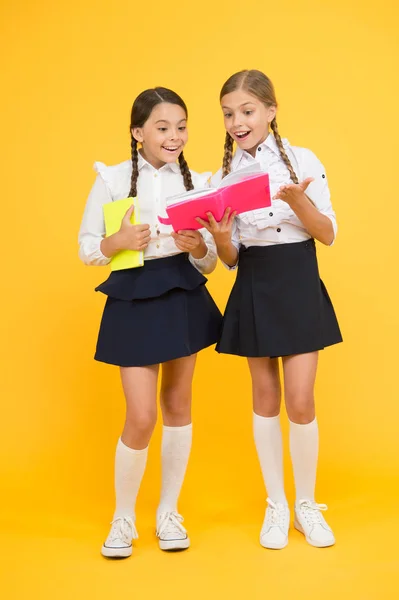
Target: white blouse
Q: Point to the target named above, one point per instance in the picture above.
(278, 224)
(153, 187)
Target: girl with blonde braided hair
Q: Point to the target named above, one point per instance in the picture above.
(160, 314)
(278, 307)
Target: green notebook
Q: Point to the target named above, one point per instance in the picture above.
(113, 215)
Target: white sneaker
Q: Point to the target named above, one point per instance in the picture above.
(310, 522)
(119, 541)
(171, 533)
(274, 533)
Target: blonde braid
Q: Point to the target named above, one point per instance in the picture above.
(283, 153)
(228, 154)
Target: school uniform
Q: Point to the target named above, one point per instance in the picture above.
(278, 305)
(162, 310)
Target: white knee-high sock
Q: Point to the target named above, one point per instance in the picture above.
(304, 447)
(129, 470)
(176, 447)
(269, 445)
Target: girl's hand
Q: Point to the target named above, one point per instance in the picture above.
(293, 193)
(190, 241)
(133, 237)
(221, 231)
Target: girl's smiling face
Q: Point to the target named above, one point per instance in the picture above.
(164, 134)
(246, 119)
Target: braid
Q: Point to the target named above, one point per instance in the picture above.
(228, 155)
(135, 169)
(283, 153)
(185, 171)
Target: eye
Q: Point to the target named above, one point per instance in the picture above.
(182, 128)
(249, 112)
(227, 115)
(161, 128)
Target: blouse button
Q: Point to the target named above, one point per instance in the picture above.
(270, 214)
(259, 149)
(278, 229)
(323, 176)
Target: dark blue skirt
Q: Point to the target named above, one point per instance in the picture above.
(156, 313)
(278, 306)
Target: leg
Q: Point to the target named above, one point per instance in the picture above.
(176, 394)
(140, 387)
(267, 432)
(299, 378)
(268, 440)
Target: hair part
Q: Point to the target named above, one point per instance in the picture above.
(259, 85)
(141, 111)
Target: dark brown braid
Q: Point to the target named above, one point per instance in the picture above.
(135, 168)
(259, 85)
(185, 171)
(141, 111)
(228, 154)
(283, 153)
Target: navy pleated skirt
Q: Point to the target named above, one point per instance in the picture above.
(156, 313)
(278, 306)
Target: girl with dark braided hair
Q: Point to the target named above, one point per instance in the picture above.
(278, 307)
(158, 314)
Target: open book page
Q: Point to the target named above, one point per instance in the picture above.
(231, 178)
(239, 175)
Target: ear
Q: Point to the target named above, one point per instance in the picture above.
(137, 133)
(271, 113)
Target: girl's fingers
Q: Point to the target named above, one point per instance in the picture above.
(212, 221)
(231, 218)
(204, 224)
(305, 183)
(225, 218)
(129, 213)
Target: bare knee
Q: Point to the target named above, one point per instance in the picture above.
(300, 407)
(139, 426)
(176, 406)
(266, 398)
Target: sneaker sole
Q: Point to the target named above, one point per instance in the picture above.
(274, 546)
(299, 527)
(116, 552)
(174, 544)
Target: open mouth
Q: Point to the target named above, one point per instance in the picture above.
(241, 135)
(171, 149)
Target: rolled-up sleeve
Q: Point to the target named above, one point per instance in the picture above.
(318, 191)
(235, 240)
(207, 264)
(92, 229)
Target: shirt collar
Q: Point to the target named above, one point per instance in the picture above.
(270, 143)
(168, 166)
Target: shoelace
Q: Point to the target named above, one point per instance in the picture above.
(275, 514)
(123, 528)
(170, 522)
(311, 511)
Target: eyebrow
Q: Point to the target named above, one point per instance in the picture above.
(165, 121)
(241, 105)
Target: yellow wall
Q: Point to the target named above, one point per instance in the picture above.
(71, 71)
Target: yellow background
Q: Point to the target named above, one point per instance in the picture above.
(71, 71)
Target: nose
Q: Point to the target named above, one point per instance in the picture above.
(236, 120)
(173, 134)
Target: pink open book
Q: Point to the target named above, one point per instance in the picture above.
(243, 190)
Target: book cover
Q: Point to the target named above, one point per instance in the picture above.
(113, 215)
(243, 190)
